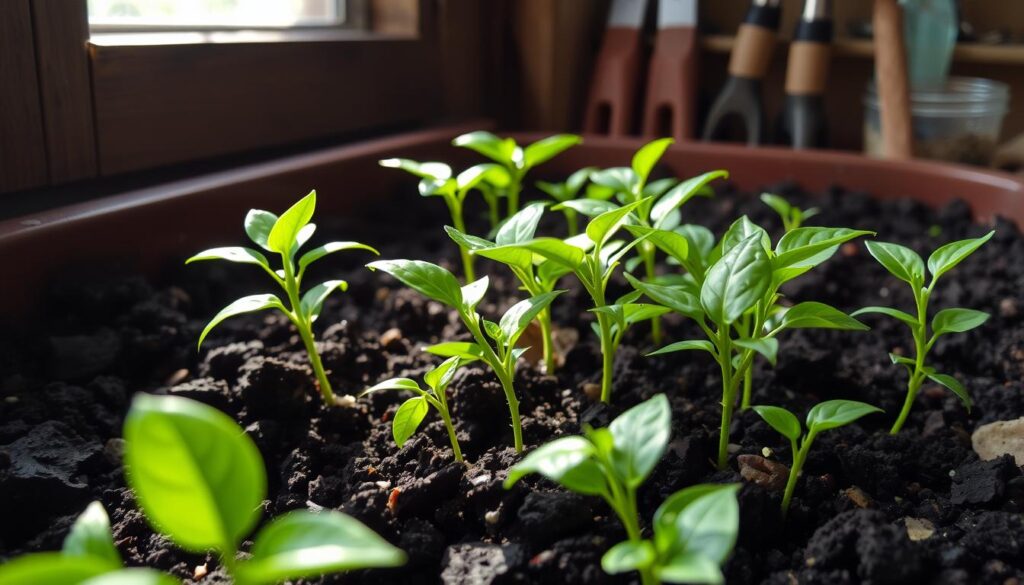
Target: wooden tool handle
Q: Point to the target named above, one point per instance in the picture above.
(612, 99)
(752, 54)
(670, 109)
(891, 77)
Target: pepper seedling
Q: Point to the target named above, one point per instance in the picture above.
(906, 265)
(494, 343)
(412, 412)
(436, 179)
(565, 192)
(732, 293)
(690, 538)
(284, 235)
(201, 482)
(792, 216)
(824, 416)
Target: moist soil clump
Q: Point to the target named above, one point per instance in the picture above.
(919, 507)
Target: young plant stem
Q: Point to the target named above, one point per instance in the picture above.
(455, 208)
(514, 187)
(572, 221)
(622, 501)
(291, 286)
(607, 356)
(728, 395)
(799, 456)
(544, 318)
(921, 347)
(647, 253)
(451, 434)
(503, 371)
(748, 383)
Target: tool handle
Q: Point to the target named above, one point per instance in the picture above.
(755, 42)
(807, 68)
(612, 98)
(893, 85)
(670, 109)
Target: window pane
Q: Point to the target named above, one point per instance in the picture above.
(214, 13)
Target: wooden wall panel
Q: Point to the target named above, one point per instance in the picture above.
(22, 146)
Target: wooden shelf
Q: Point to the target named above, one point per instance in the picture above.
(964, 52)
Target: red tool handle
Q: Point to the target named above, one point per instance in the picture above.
(612, 99)
(671, 108)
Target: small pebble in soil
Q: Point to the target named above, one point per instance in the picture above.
(766, 473)
(1005, 437)
(200, 572)
(592, 391)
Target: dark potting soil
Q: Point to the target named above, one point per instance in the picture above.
(67, 385)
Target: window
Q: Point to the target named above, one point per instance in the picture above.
(214, 14)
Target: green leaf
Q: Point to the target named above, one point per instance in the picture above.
(497, 149)
(641, 436)
(628, 556)
(810, 246)
(777, 203)
(648, 156)
(741, 230)
(699, 238)
(286, 229)
(781, 420)
(427, 170)
(330, 248)
(556, 251)
(671, 243)
(408, 418)
(198, 477)
(656, 189)
(690, 569)
(698, 521)
(737, 281)
(768, 347)
(637, 312)
(430, 280)
(247, 304)
(90, 536)
(547, 148)
(438, 378)
(303, 544)
(464, 350)
(473, 293)
(566, 461)
(132, 577)
(521, 227)
(432, 187)
(587, 207)
(947, 257)
(231, 254)
(303, 236)
(833, 414)
(394, 384)
(258, 224)
(689, 345)
(466, 241)
(473, 176)
(314, 298)
(603, 227)
(814, 315)
(617, 179)
(900, 261)
(518, 317)
(957, 320)
(51, 568)
(953, 385)
(894, 313)
(682, 193)
(898, 359)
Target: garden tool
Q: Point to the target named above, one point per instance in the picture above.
(611, 103)
(891, 77)
(670, 109)
(751, 57)
(803, 123)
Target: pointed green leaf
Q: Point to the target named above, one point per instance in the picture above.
(900, 261)
(628, 556)
(394, 384)
(473, 176)
(954, 386)
(521, 227)
(497, 149)
(682, 193)
(699, 522)
(517, 318)
(197, 476)
(408, 418)
(641, 435)
(656, 189)
(330, 248)
(547, 148)
(813, 315)
(671, 243)
(768, 347)
(247, 304)
(957, 320)
(473, 293)
(430, 280)
(286, 230)
(587, 207)
(556, 251)
(637, 312)
(231, 254)
(810, 246)
(258, 224)
(51, 568)
(741, 230)
(464, 350)
(303, 544)
(438, 378)
(427, 170)
(566, 461)
(689, 345)
(894, 313)
(832, 414)
(616, 179)
(90, 536)
(947, 257)
(648, 156)
(691, 569)
(466, 241)
(777, 203)
(603, 227)
(781, 420)
(132, 577)
(314, 298)
(737, 281)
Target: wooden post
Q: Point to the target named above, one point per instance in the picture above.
(892, 80)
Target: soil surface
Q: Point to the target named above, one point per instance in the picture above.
(66, 386)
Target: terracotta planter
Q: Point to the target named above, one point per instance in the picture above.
(143, 228)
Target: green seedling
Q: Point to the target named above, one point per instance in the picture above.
(732, 292)
(792, 216)
(494, 343)
(412, 412)
(825, 416)
(284, 235)
(906, 265)
(694, 530)
(594, 265)
(565, 192)
(516, 160)
(201, 482)
(436, 180)
(662, 200)
(87, 557)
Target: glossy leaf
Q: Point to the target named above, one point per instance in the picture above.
(954, 386)
(777, 203)
(464, 350)
(51, 568)
(430, 280)
(466, 241)
(286, 229)
(313, 300)
(809, 246)
(438, 378)
(231, 254)
(699, 521)
(547, 148)
(690, 569)
(628, 556)
(473, 176)
(900, 261)
(566, 461)
(680, 299)
(90, 536)
(672, 243)
(587, 207)
(689, 345)
(394, 384)
(556, 251)
(814, 315)
(741, 230)
(649, 154)
(473, 293)
(781, 420)
(408, 418)
(617, 179)
(426, 170)
(832, 414)
(330, 248)
(197, 476)
(132, 577)
(945, 258)
(889, 312)
(243, 305)
(518, 317)
(682, 193)
(521, 227)
(637, 312)
(655, 189)
(641, 435)
(768, 347)
(303, 544)
(497, 149)
(957, 320)
(603, 227)
(258, 224)
(737, 281)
